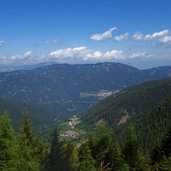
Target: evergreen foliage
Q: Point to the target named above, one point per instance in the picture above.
(38, 114)
(8, 145)
(86, 160)
(131, 147)
(53, 162)
(31, 151)
(101, 151)
(134, 101)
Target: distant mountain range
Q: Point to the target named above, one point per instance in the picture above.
(71, 89)
(8, 68)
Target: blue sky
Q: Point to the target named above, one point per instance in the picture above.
(135, 32)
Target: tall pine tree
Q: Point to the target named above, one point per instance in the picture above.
(56, 155)
(29, 159)
(131, 147)
(8, 145)
(105, 150)
(87, 163)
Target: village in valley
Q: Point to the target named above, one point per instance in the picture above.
(69, 130)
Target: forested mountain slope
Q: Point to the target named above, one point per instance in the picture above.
(147, 106)
(130, 102)
(153, 126)
(39, 115)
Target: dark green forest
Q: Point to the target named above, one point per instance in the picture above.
(141, 143)
(38, 114)
(24, 151)
(134, 100)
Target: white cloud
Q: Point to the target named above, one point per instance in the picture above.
(19, 57)
(27, 54)
(15, 57)
(83, 53)
(114, 54)
(166, 39)
(93, 55)
(138, 55)
(2, 42)
(25, 58)
(68, 52)
(163, 36)
(121, 37)
(138, 36)
(103, 36)
(157, 34)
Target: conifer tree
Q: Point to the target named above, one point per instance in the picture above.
(54, 161)
(87, 163)
(166, 144)
(165, 164)
(71, 159)
(131, 147)
(161, 155)
(143, 162)
(105, 150)
(27, 151)
(8, 145)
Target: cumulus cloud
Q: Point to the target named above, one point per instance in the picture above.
(138, 36)
(114, 54)
(163, 36)
(103, 36)
(15, 57)
(27, 54)
(157, 34)
(121, 37)
(2, 42)
(83, 53)
(166, 39)
(93, 55)
(68, 52)
(109, 55)
(24, 56)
